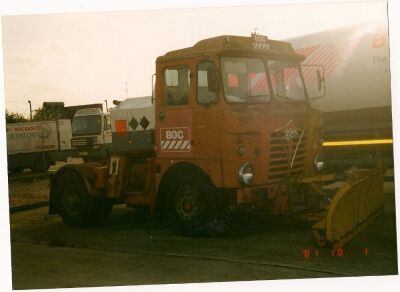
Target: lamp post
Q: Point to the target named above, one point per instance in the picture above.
(30, 109)
(106, 105)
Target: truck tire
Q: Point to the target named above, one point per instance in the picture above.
(75, 206)
(192, 206)
(40, 164)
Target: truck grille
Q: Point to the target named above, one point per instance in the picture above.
(82, 142)
(282, 151)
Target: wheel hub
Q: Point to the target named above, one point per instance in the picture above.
(72, 202)
(187, 205)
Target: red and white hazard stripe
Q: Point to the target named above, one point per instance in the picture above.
(175, 145)
(327, 55)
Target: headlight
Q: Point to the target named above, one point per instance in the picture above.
(246, 173)
(318, 163)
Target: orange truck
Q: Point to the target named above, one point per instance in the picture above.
(229, 124)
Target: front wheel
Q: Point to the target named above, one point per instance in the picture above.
(75, 206)
(193, 206)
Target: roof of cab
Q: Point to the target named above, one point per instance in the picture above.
(222, 43)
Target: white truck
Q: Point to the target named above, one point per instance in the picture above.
(37, 145)
(91, 133)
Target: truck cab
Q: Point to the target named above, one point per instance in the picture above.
(91, 133)
(236, 109)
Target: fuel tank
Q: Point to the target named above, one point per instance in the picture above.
(132, 126)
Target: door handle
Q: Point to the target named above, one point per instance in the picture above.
(161, 116)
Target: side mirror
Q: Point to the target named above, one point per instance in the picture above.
(320, 80)
(311, 73)
(152, 88)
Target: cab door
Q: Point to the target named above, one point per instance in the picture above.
(207, 112)
(174, 111)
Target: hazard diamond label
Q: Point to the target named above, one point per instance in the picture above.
(175, 139)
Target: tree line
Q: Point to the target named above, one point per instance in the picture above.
(41, 114)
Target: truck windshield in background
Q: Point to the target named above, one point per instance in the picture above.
(244, 80)
(286, 80)
(86, 125)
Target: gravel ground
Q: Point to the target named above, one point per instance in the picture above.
(26, 193)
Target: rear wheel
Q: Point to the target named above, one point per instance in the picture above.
(193, 206)
(75, 206)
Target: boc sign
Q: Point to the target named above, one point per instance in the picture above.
(174, 134)
(175, 139)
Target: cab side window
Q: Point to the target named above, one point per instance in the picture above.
(206, 89)
(176, 86)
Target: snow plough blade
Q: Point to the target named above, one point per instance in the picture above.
(352, 208)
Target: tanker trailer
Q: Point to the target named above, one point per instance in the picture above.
(357, 104)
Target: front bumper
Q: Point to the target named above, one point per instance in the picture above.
(272, 198)
(90, 154)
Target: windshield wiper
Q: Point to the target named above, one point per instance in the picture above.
(284, 97)
(257, 97)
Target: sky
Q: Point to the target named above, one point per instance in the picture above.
(82, 58)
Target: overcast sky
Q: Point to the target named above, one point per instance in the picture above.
(87, 57)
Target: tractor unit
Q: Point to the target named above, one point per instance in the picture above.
(229, 124)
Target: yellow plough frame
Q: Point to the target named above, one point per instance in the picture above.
(354, 206)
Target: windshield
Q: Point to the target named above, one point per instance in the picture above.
(87, 125)
(244, 80)
(286, 80)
